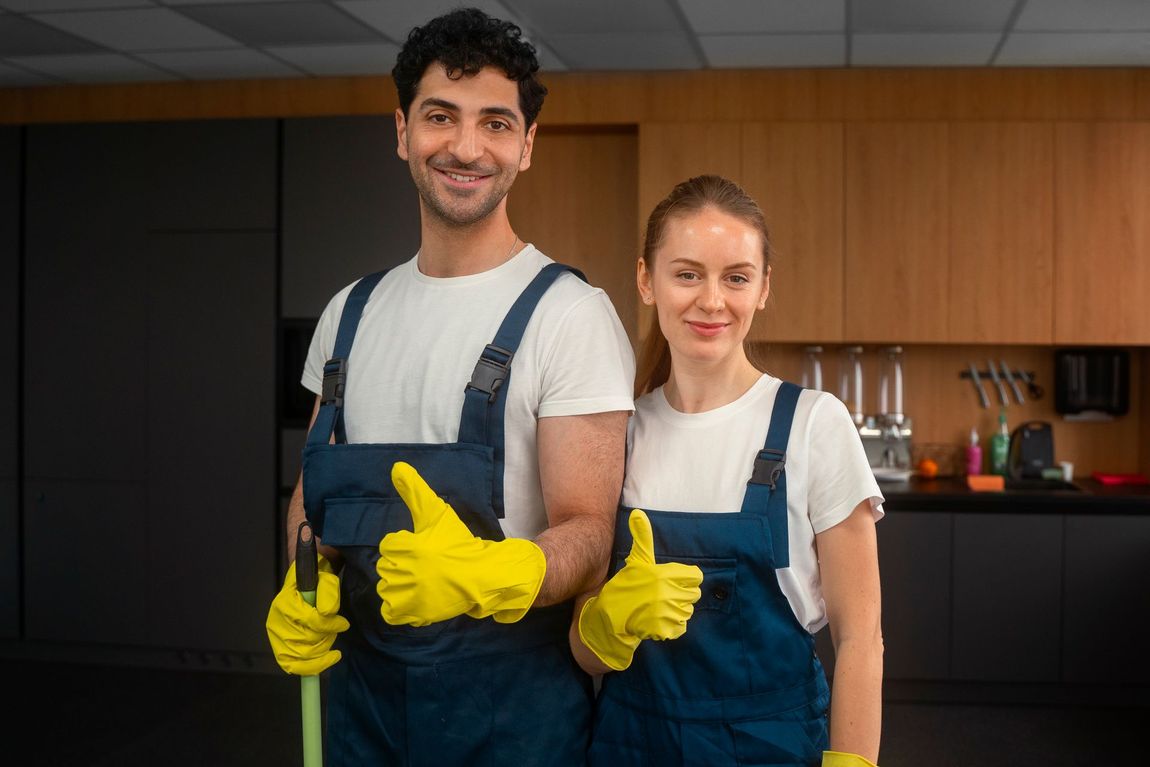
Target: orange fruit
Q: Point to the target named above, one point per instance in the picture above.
(927, 467)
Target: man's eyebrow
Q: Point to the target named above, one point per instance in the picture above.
(436, 103)
(501, 112)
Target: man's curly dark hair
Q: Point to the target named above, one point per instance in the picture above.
(465, 41)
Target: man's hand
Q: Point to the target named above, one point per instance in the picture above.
(441, 570)
(301, 636)
(644, 600)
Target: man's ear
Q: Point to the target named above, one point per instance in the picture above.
(528, 145)
(401, 135)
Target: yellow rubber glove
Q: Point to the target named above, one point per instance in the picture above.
(843, 759)
(441, 570)
(301, 635)
(644, 600)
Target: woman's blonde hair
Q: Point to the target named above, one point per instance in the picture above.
(691, 196)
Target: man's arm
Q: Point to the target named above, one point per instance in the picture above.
(848, 565)
(295, 513)
(581, 469)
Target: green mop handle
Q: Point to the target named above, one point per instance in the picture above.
(307, 580)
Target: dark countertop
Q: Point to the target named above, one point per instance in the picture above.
(952, 494)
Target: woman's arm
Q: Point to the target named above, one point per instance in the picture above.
(848, 566)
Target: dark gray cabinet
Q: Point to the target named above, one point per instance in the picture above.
(149, 383)
(1106, 614)
(349, 207)
(10, 152)
(1007, 597)
(915, 565)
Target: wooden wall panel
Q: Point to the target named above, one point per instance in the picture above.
(1102, 217)
(1001, 232)
(795, 172)
(585, 219)
(896, 250)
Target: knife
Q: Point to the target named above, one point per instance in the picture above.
(1013, 383)
(978, 386)
(997, 383)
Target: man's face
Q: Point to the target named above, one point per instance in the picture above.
(465, 142)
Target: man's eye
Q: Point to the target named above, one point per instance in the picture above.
(498, 126)
(438, 119)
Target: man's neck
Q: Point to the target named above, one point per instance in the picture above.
(456, 251)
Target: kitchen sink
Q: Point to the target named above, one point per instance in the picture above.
(1045, 485)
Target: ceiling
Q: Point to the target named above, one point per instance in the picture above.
(49, 42)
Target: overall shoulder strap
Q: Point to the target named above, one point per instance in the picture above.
(329, 420)
(767, 489)
(485, 396)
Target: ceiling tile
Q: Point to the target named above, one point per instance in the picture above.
(335, 60)
(151, 29)
(41, 6)
(894, 16)
(24, 37)
(94, 68)
(625, 52)
(221, 65)
(550, 18)
(749, 17)
(14, 77)
(1064, 49)
(397, 19)
(750, 51)
(285, 24)
(923, 50)
(1084, 15)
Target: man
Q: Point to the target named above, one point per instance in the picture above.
(477, 372)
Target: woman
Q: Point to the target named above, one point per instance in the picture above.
(740, 593)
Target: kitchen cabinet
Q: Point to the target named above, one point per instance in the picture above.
(1001, 219)
(1007, 597)
(896, 255)
(915, 562)
(584, 219)
(10, 154)
(1102, 233)
(795, 172)
(149, 383)
(1105, 617)
(349, 207)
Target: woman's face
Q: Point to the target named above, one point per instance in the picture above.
(706, 282)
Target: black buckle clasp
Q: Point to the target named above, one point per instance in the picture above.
(334, 379)
(491, 371)
(769, 465)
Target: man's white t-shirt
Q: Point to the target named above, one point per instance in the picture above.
(417, 345)
(702, 462)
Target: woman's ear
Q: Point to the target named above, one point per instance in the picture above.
(766, 289)
(643, 280)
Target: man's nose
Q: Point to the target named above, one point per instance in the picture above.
(465, 145)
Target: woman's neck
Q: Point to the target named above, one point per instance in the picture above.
(694, 387)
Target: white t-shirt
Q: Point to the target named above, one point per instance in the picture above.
(702, 462)
(418, 342)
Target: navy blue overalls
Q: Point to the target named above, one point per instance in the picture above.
(743, 686)
(459, 692)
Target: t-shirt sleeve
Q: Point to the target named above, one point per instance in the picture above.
(840, 476)
(589, 367)
(323, 342)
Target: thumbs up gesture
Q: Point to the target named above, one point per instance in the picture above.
(440, 570)
(644, 600)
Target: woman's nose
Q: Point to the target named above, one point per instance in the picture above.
(711, 298)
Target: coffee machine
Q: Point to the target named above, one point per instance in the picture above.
(886, 435)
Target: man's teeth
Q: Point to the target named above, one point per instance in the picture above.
(463, 179)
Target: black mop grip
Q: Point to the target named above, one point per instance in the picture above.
(306, 560)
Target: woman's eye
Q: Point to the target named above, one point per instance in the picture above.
(738, 279)
(687, 275)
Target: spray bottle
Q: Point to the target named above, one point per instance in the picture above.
(1000, 446)
(973, 454)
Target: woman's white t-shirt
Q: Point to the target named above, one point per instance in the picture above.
(702, 462)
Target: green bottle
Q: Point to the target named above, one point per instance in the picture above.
(999, 446)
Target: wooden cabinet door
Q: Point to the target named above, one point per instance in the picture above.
(673, 152)
(1001, 233)
(896, 251)
(795, 172)
(1102, 233)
